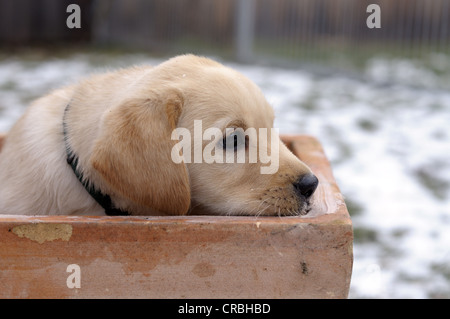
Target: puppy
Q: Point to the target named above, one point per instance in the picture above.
(2, 140)
(106, 146)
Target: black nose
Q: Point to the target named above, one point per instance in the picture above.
(306, 185)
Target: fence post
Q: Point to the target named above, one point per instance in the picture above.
(245, 29)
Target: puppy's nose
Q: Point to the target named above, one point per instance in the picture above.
(306, 185)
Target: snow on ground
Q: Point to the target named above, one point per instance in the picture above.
(387, 137)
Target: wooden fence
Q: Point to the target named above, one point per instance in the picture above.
(298, 29)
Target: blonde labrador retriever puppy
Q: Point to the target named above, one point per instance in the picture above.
(106, 146)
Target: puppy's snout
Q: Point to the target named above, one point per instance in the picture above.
(306, 185)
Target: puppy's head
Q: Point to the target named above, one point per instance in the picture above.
(198, 135)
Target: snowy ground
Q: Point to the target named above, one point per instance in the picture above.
(388, 138)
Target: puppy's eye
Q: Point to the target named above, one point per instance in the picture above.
(234, 141)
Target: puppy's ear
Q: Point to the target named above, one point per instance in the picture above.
(2, 141)
(133, 153)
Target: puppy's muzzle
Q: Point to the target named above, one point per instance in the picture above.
(306, 185)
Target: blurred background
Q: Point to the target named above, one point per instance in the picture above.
(378, 99)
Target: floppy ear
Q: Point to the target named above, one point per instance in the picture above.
(133, 154)
(2, 141)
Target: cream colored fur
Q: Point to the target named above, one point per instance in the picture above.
(120, 123)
